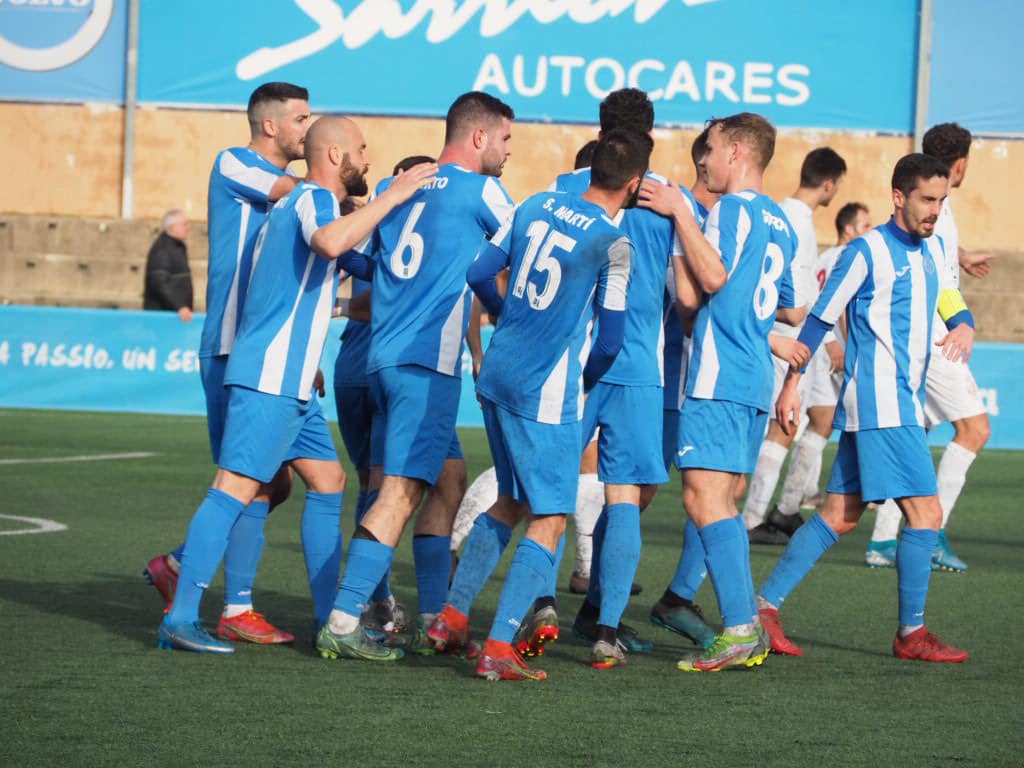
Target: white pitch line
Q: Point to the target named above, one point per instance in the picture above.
(42, 525)
(85, 457)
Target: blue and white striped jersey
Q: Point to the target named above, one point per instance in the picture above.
(423, 249)
(350, 365)
(237, 206)
(654, 239)
(730, 358)
(675, 354)
(284, 324)
(566, 260)
(888, 282)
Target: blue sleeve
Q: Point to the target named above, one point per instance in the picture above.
(812, 333)
(481, 277)
(315, 208)
(245, 176)
(727, 227)
(611, 329)
(358, 264)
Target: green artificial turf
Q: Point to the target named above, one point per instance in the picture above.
(82, 682)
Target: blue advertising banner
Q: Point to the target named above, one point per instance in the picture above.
(975, 57)
(147, 362)
(62, 50)
(800, 63)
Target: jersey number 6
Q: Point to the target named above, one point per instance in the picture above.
(413, 241)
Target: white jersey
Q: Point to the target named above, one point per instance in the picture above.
(946, 228)
(801, 218)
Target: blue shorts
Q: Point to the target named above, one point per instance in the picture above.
(211, 372)
(881, 464)
(629, 450)
(537, 464)
(265, 431)
(417, 409)
(355, 420)
(669, 436)
(720, 435)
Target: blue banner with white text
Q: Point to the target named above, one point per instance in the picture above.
(798, 62)
(147, 362)
(63, 50)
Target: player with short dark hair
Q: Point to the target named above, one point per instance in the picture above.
(849, 221)
(414, 366)
(585, 156)
(952, 392)
(821, 174)
(738, 275)
(570, 266)
(890, 282)
(244, 184)
(273, 416)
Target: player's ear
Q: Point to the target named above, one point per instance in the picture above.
(898, 198)
(334, 153)
(480, 138)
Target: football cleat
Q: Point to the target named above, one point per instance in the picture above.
(766, 533)
(882, 554)
(728, 651)
(944, 559)
(386, 616)
(251, 627)
(579, 585)
(189, 637)
(922, 645)
(499, 661)
(355, 645)
(449, 633)
(541, 630)
(685, 620)
(772, 624)
(158, 572)
(788, 524)
(585, 628)
(605, 655)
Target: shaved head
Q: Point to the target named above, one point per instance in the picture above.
(335, 147)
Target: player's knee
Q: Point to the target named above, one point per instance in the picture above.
(974, 433)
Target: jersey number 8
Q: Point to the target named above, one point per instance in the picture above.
(766, 294)
(543, 242)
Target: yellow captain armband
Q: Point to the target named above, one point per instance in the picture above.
(953, 309)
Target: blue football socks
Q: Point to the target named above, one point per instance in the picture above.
(321, 548)
(205, 544)
(748, 579)
(433, 558)
(551, 588)
(367, 563)
(383, 590)
(726, 548)
(805, 548)
(620, 556)
(527, 576)
(484, 546)
(692, 569)
(913, 572)
(242, 557)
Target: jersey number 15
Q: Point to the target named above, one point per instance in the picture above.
(539, 253)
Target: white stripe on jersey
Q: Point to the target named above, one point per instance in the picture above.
(918, 330)
(742, 233)
(854, 278)
(249, 175)
(496, 199)
(450, 348)
(619, 262)
(584, 354)
(552, 394)
(707, 376)
(229, 320)
(887, 402)
(305, 208)
(318, 333)
(275, 359)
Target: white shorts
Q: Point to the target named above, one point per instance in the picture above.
(822, 385)
(950, 392)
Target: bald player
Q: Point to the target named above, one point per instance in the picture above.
(272, 416)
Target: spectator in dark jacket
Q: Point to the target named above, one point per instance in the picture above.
(168, 279)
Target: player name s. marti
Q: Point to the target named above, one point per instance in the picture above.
(569, 216)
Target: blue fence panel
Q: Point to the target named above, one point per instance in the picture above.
(975, 60)
(147, 362)
(62, 50)
(799, 63)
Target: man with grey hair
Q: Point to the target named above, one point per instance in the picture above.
(168, 278)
